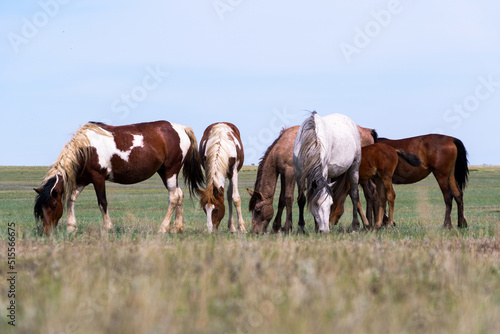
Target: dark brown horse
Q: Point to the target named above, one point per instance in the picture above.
(378, 163)
(123, 154)
(278, 162)
(222, 156)
(443, 156)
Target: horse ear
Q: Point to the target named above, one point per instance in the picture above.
(258, 195)
(38, 190)
(251, 192)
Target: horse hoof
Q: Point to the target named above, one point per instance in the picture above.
(178, 230)
(72, 229)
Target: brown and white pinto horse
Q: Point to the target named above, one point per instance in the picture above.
(378, 163)
(123, 154)
(443, 156)
(276, 162)
(222, 156)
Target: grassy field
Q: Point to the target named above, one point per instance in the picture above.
(415, 278)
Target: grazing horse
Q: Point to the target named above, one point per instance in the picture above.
(123, 154)
(327, 148)
(278, 162)
(222, 156)
(378, 163)
(443, 156)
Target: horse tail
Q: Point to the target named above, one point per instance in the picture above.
(461, 164)
(192, 172)
(409, 158)
(309, 156)
(374, 134)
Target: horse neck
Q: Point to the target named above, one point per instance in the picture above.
(68, 183)
(209, 196)
(216, 175)
(267, 178)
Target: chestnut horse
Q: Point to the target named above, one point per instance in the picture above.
(378, 163)
(276, 162)
(443, 156)
(123, 154)
(222, 156)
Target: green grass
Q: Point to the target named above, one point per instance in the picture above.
(417, 277)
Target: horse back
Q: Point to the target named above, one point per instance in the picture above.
(133, 153)
(437, 153)
(227, 135)
(377, 158)
(341, 140)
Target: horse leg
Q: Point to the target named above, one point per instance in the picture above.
(301, 201)
(370, 197)
(173, 200)
(233, 196)
(443, 182)
(281, 205)
(230, 224)
(382, 200)
(179, 212)
(362, 214)
(337, 210)
(458, 195)
(354, 193)
(289, 181)
(70, 204)
(366, 224)
(391, 197)
(100, 190)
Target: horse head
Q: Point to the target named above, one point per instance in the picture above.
(48, 203)
(320, 209)
(262, 211)
(212, 202)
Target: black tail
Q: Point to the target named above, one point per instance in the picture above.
(193, 174)
(461, 165)
(409, 158)
(374, 135)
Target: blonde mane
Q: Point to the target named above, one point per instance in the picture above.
(73, 155)
(218, 154)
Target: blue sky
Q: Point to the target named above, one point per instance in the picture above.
(403, 67)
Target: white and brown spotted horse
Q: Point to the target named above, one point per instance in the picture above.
(123, 154)
(222, 156)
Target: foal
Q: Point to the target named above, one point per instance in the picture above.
(222, 156)
(378, 163)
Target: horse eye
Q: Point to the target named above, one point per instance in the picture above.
(53, 206)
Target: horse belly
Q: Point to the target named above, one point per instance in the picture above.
(409, 174)
(130, 172)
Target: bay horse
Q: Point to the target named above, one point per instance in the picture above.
(378, 163)
(443, 156)
(327, 148)
(277, 162)
(122, 154)
(222, 156)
